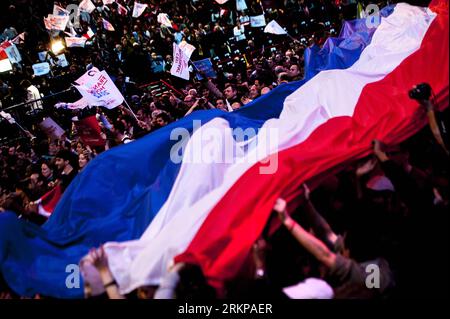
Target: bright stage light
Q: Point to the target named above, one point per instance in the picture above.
(57, 47)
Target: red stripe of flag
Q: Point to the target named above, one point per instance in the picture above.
(384, 111)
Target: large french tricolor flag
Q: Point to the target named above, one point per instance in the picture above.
(151, 210)
(216, 211)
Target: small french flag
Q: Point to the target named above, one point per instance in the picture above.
(89, 34)
(48, 202)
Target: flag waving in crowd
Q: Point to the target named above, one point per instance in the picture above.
(274, 28)
(56, 22)
(180, 66)
(163, 18)
(87, 6)
(138, 9)
(97, 88)
(187, 48)
(72, 42)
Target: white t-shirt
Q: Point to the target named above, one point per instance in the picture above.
(126, 139)
(311, 288)
(33, 94)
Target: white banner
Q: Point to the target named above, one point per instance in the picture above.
(139, 9)
(163, 19)
(88, 77)
(187, 48)
(75, 42)
(5, 65)
(258, 21)
(105, 2)
(87, 6)
(54, 22)
(274, 28)
(221, 1)
(40, 69)
(99, 90)
(180, 66)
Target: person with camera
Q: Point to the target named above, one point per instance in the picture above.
(436, 120)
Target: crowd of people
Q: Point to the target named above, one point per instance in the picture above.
(387, 210)
(248, 63)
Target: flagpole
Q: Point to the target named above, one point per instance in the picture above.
(292, 38)
(126, 103)
(194, 66)
(28, 133)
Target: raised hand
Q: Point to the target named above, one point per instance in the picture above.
(99, 258)
(378, 149)
(366, 168)
(306, 192)
(280, 208)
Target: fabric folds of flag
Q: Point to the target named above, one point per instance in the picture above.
(215, 212)
(376, 91)
(112, 200)
(274, 28)
(329, 102)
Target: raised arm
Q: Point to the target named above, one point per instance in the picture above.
(192, 108)
(319, 225)
(313, 245)
(100, 261)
